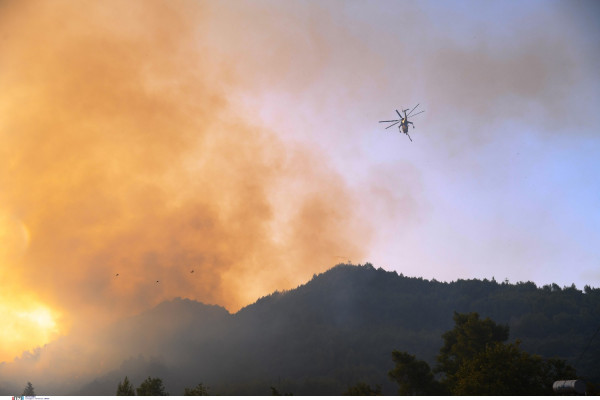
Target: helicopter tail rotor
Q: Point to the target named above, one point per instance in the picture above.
(417, 113)
(413, 109)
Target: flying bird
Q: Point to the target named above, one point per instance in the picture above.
(192, 271)
(116, 275)
(157, 281)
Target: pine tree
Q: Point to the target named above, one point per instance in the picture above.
(125, 388)
(28, 391)
(152, 387)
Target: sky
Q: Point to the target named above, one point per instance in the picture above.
(240, 141)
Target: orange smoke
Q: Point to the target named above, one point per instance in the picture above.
(122, 156)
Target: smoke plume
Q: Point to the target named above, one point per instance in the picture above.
(128, 178)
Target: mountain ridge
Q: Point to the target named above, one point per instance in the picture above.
(337, 329)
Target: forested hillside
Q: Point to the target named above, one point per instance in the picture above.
(339, 329)
(346, 320)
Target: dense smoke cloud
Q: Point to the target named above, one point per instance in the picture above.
(122, 156)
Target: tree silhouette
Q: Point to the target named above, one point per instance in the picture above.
(125, 388)
(476, 362)
(414, 377)
(28, 391)
(469, 337)
(199, 390)
(503, 369)
(152, 387)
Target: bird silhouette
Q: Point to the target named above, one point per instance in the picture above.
(116, 275)
(192, 271)
(157, 281)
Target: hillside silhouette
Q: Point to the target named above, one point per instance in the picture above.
(340, 329)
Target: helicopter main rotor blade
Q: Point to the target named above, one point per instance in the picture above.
(400, 115)
(417, 113)
(392, 124)
(413, 109)
(394, 120)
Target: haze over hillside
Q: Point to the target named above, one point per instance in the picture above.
(320, 338)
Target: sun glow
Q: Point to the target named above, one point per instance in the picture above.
(26, 322)
(40, 317)
(25, 326)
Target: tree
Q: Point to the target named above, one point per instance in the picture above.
(469, 337)
(199, 390)
(152, 387)
(125, 388)
(28, 391)
(362, 389)
(503, 369)
(476, 362)
(414, 376)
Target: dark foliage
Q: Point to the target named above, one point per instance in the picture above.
(199, 390)
(503, 369)
(125, 388)
(469, 338)
(152, 387)
(414, 377)
(474, 361)
(28, 391)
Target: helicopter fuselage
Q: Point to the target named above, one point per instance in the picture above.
(404, 125)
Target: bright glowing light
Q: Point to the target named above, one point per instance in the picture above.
(25, 326)
(40, 317)
(25, 322)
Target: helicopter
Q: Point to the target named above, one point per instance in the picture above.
(403, 127)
